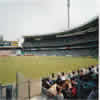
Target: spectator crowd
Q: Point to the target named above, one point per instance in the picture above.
(76, 85)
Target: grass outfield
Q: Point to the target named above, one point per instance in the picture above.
(37, 66)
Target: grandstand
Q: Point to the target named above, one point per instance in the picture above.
(9, 48)
(80, 41)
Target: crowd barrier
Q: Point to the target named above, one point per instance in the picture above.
(23, 89)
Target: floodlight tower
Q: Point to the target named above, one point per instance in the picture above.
(68, 10)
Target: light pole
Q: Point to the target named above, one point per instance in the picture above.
(68, 10)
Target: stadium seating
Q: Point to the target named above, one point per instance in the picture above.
(62, 41)
(76, 42)
(72, 52)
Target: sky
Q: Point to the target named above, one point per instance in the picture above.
(34, 17)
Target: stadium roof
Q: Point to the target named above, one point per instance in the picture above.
(73, 31)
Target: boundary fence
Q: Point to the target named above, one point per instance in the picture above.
(23, 89)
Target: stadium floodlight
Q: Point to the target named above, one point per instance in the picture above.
(68, 8)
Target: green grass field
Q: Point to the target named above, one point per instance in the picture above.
(37, 66)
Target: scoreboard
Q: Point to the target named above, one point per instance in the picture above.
(14, 43)
(8, 43)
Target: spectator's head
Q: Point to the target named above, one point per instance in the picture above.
(73, 72)
(62, 74)
(58, 76)
(81, 72)
(53, 75)
(78, 71)
(84, 71)
(89, 69)
(92, 66)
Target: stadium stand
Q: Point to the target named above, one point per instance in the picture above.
(83, 38)
(9, 48)
(72, 52)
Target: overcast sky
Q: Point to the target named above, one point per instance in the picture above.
(30, 17)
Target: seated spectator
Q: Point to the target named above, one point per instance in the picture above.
(92, 66)
(67, 76)
(90, 70)
(49, 81)
(74, 81)
(74, 92)
(63, 76)
(84, 71)
(95, 70)
(71, 75)
(53, 75)
(66, 90)
(58, 80)
(75, 74)
(53, 78)
(46, 83)
(78, 71)
(81, 73)
(52, 90)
